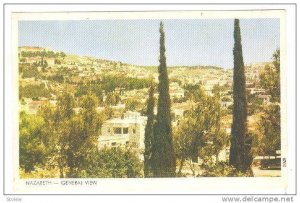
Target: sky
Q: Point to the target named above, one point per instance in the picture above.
(188, 41)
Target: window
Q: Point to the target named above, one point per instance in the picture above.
(125, 130)
(113, 144)
(133, 130)
(117, 130)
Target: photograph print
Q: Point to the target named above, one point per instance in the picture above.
(149, 98)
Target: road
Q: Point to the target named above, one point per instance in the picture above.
(265, 173)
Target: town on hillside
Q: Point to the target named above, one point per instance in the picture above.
(117, 95)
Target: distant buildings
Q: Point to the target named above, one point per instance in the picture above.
(176, 91)
(32, 107)
(31, 48)
(256, 90)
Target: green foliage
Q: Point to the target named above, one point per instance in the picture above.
(133, 104)
(108, 84)
(113, 163)
(148, 171)
(32, 150)
(194, 92)
(78, 146)
(44, 53)
(269, 139)
(58, 77)
(62, 54)
(222, 169)
(57, 61)
(225, 99)
(57, 130)
(92, 121)
(269, 128)
(270, 78)
(59, 143)
(40, 172)
(164, 161)
(239, 123)
(199, 132)
(256, 105)
(184, 138)
(71, 137)
(66, 103)
(34, 91)
(29, 72)
(112, 99)
(86, 88)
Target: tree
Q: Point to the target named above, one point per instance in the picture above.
(149, 133)
(238, 154)
(112, 98)
(269, 127)
(31, 145)
(199, 133)
(34, 91)
(216, 137)
(164, 163)
(270, 77)
(92, 123)
(112, 163)
(269, 124)
(66, 104)
(76, 150)
(62, 54)
(83, 135)
(71, 137)
(57, 131)
(184, 136)
(133, 104)
(194, 92)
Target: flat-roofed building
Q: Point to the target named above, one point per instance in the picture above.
(129, 130)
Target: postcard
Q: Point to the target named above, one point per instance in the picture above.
(148, 102)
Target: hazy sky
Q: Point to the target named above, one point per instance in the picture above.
(188, 42)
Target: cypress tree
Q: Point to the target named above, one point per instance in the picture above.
(238, 152)
(149, 133)
(164, 162)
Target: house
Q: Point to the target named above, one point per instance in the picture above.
(34, 106)
(127, 131)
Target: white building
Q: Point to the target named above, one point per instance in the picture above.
(126, 131)
(256, 90)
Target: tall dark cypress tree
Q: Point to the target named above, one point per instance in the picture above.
(149, 134)
(164, 162)
(238, 152)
